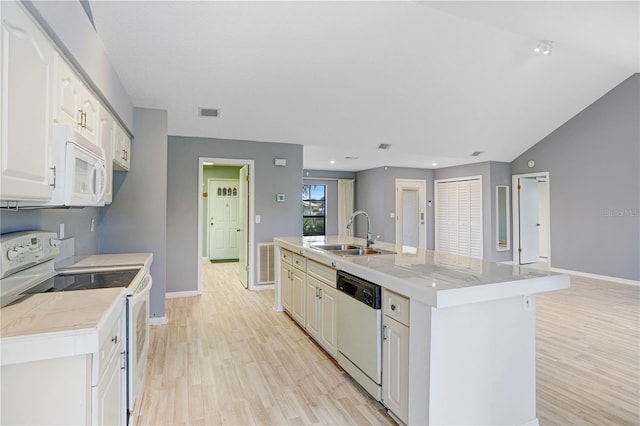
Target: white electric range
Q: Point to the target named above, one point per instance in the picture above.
(27, 267)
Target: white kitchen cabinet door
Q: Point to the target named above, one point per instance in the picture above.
(297, 295)
(328, 319)
(395, 367)
(285, 286)
(313, 313)
(90, 108)
(75, 104)
(108, 404)
(121, 150)
(27, 99)
(106, 133)
(68, 108)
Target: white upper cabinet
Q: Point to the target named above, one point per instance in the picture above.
(121, 150)
(75, 103)
(26, 93)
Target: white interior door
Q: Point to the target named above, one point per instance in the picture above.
(529, 223)
(243, 209)
(410, 213)
(223, 219)
(543, 218)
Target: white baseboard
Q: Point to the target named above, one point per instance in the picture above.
(596, 276)
(158, 320)
(262, 287)
(175, 294)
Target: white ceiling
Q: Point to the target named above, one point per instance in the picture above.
(437, 80)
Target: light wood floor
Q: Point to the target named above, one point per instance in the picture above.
(227, 357)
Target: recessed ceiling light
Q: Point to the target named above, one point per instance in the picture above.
(384, 146)
(332, 162)
(434, 164)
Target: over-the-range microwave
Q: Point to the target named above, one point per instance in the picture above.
(79, 172)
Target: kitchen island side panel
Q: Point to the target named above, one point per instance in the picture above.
(483, 366)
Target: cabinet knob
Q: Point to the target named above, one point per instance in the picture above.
(393, 307)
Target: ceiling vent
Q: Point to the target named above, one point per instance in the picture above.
(208, 112)
(477, 153)
(384, 146)
(351, 158)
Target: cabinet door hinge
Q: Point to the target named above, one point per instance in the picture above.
(519, 187)
(247, 178)
(519, 249)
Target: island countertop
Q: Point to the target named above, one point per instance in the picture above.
(435, 278)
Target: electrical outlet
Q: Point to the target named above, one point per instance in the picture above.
(526, 302)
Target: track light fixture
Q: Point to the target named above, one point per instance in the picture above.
(544, 46)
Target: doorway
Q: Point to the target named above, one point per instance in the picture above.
(531, 219)
(411, 229)
(225, 204)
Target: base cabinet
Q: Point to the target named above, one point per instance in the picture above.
(82, 389)
(292, 283)
(395, 354)
(321, 314)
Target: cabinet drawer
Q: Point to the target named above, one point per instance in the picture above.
(286, 256)
(298, 261)
(112, 342)
(396, 306)
(322, 272)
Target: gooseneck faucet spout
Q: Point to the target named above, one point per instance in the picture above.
(370, 239)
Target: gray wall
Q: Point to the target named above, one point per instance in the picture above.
(212, 172)
(77, 224)
(67, 24)
(136, 221)
(593, 162)
(493, 173)
(277, 219)
(376, 194)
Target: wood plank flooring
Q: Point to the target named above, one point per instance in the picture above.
(227, 357)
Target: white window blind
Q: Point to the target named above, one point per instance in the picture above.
(459, 217)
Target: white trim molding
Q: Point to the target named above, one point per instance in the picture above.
(178, 294)
(158, 320)
(595, 276)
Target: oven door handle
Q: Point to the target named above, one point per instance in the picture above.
(142, 293)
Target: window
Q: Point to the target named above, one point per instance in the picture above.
(313, 209)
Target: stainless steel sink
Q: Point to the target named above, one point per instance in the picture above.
(337, 247)
(352, 250)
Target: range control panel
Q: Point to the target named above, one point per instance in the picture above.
(20, 250)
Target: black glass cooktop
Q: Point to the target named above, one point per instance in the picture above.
(85, 281)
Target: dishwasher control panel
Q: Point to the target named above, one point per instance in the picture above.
(363, 291)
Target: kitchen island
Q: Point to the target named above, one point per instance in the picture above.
(470, 328)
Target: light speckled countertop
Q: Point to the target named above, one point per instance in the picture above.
(435, 278)
(66, 323)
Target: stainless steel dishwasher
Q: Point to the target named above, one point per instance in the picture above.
(359, 331)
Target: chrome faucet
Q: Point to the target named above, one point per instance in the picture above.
(370, 239)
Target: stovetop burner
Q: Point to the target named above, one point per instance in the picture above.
(85, 281)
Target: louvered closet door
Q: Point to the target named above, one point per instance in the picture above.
(459, 217)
